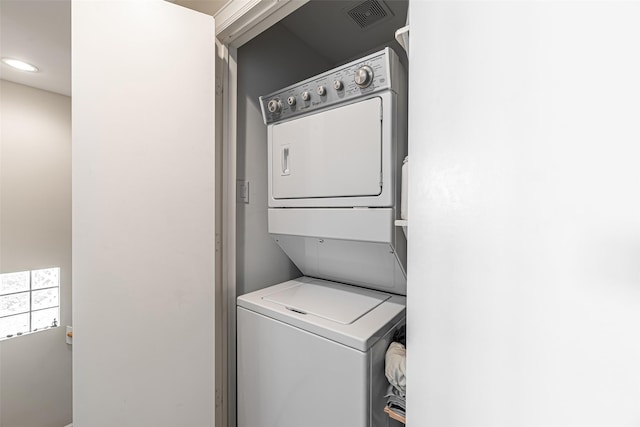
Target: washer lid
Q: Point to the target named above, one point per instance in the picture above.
(331, 301)
(348, 315)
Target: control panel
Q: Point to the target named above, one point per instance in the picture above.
(347, 82)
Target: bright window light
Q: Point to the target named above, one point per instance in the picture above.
(20, 65)
(29, 301)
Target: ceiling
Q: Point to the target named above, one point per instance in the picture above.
(326, 28)
(39, 32)
(210, 7)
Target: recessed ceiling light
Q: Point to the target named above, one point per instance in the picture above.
(20, 65)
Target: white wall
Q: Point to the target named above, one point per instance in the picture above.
(35, 232)
(143, 215)
(271, 61)
(524, 236)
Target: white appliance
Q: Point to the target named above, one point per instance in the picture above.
(333, 138)
(310, 352)
(336, 143)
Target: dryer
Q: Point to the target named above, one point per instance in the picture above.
(337, 139)
(336, 143)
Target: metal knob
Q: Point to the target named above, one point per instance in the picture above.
(363, 76)
(337, 85)
(321, 90)
(291, 100)
(305, 96)
(274, 106)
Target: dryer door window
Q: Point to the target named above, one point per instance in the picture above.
(336, 153)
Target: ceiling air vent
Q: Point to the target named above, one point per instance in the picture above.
(369, 12)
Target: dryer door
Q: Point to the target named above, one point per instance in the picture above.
(335, 153)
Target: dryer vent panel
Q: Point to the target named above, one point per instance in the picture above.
(369, 12)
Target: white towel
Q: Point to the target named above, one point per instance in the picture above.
(396, 367)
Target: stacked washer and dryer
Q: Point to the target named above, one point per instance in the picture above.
(310, 351)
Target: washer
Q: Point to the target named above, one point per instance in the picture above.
(311, 353)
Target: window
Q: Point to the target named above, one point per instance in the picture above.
(29, 301)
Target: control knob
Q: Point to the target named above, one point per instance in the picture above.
(305, 96)
(274, 106)
(321, 91)
(363, 76)
(291, 100)
(337, 85)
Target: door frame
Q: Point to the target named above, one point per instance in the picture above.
(237, 22)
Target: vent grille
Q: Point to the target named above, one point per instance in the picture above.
(368, 13)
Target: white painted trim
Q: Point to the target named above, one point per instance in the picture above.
(229, 233)
(241, 20)
(220, 327)
(231, 13)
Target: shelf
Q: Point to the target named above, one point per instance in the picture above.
(404, 223)
(395, 416)
(402, 36)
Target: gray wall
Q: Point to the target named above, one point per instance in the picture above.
(35, 232)
(273, 60)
